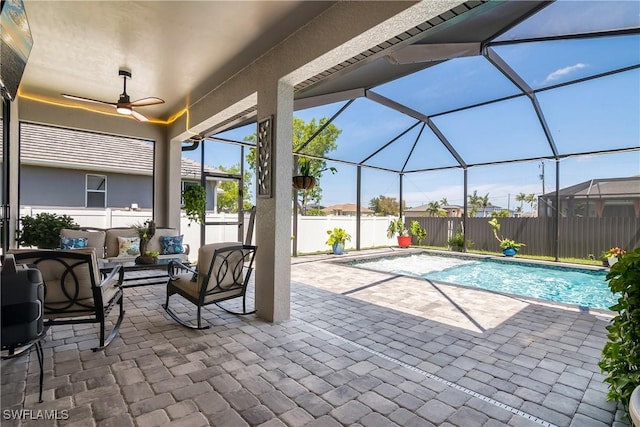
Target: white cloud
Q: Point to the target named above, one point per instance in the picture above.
(563, 72)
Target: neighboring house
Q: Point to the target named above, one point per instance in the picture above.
(489, 210)
(596, 198)
(69, 168)
(445, 211)
(346, 209)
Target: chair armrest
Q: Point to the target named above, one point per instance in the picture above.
(174, 266)
(114, 278)
(186, 248)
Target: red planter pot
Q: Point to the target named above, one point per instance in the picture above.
(404, 241)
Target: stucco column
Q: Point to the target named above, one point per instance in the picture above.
(273, 216)
(14, 171)
(167, 182)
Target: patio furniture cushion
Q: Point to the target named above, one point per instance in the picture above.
(95, 238)
(128, 246)
(172, 245)
(155, 243)
(223, 273)
(111, 239)
(73, 242)
(75, 291)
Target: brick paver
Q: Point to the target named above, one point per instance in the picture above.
(378, 356)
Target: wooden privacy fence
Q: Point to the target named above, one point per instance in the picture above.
(579, 237)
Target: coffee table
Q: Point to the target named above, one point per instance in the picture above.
(138, 278)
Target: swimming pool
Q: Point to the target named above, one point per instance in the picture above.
(582, 287)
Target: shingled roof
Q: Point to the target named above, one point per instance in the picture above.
(71, 149)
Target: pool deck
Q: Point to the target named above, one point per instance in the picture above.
(362, 348)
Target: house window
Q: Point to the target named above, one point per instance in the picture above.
(96, 191)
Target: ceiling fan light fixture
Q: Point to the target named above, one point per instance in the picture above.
(124, 105)
(123, 109)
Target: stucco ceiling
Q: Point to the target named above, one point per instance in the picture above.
(176, 50)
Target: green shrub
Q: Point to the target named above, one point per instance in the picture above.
(418, 232)
(43, 230)
(621, 354)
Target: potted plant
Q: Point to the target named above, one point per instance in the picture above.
(337, 238)
(396, 228)
(43, 230)
(145, 232)
(306, 178)
(509, 247)
(418, 232)
(194, 199)
(613, 255)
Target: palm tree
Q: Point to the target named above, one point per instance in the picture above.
(433, 208)
(444, 202)
(474, 201)
(531, 199)
(484, 204)
(521, 197)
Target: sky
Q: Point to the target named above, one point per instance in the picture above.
(595, 115)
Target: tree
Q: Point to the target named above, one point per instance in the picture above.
(433, 208)
(444, 202)
(474, 201)
(531, 199)
(384, 205)
(521, 197)
(322, 144)
(484, 204)
(228, 201)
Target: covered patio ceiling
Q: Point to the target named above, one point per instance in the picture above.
(176, 50)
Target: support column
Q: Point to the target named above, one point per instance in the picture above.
(167, 156)
(273, 216)
(14, 172)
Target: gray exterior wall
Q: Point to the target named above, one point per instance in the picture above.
(42, 186)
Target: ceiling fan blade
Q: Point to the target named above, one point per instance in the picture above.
(147, 101)
(81, 98)
(139, 117)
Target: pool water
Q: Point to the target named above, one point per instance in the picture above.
(582, 287)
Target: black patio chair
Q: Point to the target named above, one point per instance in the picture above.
(223, 273)
(74, 290)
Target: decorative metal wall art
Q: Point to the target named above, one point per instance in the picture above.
(264, 166)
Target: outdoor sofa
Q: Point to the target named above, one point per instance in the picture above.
(107, 246)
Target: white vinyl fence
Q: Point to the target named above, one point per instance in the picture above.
(312, 230)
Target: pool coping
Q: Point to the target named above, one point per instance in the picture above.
(540, 301)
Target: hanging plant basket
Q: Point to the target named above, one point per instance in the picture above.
(303, 182)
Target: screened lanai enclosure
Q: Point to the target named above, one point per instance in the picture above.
(488, 116)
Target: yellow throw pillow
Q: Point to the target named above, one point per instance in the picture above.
(128, 246)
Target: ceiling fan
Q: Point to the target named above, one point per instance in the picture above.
(124, 105)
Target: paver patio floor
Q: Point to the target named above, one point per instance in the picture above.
(361, 348)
